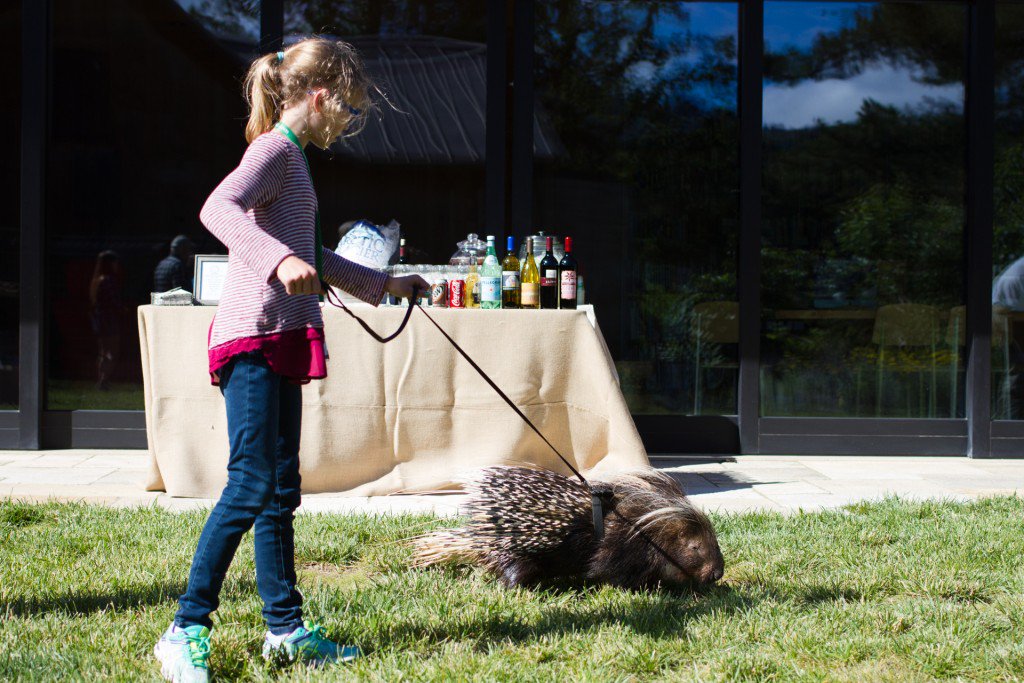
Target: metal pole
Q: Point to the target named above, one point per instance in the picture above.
(751, 35)
(980, 212)
(35, 115)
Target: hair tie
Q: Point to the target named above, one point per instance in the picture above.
(280, 56)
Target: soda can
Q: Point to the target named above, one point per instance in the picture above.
(457, 294)
(439, 293)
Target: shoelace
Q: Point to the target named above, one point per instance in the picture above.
(313, 638)
(198, 649)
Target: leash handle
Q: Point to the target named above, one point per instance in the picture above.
(336, 301)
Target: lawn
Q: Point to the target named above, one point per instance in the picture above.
(883, 591)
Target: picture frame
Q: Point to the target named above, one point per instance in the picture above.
(211, 271)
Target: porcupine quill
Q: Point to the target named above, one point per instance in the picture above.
(530, 527)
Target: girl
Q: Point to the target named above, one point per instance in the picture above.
(267, 338)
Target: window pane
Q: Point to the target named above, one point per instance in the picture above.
(147, 119)
(862, 245)
(10, 202)
(1008, 242)
(420, 159)
(636, 159)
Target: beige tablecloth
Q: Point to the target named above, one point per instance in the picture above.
(409, 416)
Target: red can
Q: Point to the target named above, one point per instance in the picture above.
(457, 293)
(439, 294)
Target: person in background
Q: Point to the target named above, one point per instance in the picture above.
(175, 269)
(267, 338)
(1008, 299)
(105, 314)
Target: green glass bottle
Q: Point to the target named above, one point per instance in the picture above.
(490, 278)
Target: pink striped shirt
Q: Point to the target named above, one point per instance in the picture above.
(265, 211)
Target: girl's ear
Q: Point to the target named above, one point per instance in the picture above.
(318, 98)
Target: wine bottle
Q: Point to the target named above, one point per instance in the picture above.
(402, 258)
(473, 287)
(490, 278)
(529, 279)
(510, 277)
(567, 277)
(548, 278)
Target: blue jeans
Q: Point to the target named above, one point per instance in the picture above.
(264, 419)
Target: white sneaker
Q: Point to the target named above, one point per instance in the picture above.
(183, 653)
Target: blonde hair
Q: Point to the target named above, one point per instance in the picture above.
(281, 78)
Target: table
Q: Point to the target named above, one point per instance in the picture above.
(409, 416)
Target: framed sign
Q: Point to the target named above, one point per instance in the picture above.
(211, 270)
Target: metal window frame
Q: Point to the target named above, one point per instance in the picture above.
(509, 201)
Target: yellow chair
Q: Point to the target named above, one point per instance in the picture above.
(714, 323)
(907, 327)
(956, 337)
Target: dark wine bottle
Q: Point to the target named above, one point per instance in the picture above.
(567, 278)
(402, 258)
(548, 278)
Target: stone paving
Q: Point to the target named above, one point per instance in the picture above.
(739, 484)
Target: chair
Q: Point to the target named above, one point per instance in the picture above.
(907, 327)
(714, 323)
(956, 337)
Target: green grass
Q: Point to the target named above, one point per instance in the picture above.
(884, 591)
(82, 395)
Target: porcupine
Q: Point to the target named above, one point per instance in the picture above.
(530, 527)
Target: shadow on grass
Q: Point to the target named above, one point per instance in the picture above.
(79, 604)
(657, 614)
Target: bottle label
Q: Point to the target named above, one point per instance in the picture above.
(569, 284)
(509, 280)
(530, 295)
(549, 278)
(490, 289)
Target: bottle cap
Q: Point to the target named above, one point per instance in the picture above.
(568, 244)
(490, 238)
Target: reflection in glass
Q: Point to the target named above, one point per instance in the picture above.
(10, 201)
(636, 159)
(862, 247)
(420, 159)
(1008, 237)
(147, 119)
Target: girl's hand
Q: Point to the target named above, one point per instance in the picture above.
(403, 285)
(298, 277)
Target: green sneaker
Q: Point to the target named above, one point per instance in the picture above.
(183, 653)
(308, 644)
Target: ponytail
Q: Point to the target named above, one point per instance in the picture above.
(263, 92)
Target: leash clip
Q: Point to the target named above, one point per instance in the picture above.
(595, 502)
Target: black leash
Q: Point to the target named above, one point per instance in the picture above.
(336, 301)
(598, 508)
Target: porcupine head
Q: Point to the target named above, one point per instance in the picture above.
(529, 526)
(653, 535)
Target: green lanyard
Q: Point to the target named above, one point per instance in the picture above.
(288, 133)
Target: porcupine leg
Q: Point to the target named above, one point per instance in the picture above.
(519, 571)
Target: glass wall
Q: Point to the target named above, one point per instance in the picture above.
(10, 201)
(147, 118)
(863, 189)
(636, 158)
(1008, 238)
(420, 159)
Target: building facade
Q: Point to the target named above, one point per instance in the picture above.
(800, 223)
